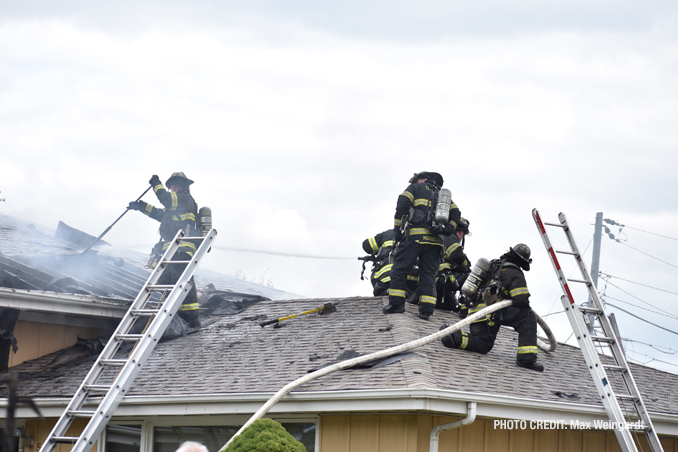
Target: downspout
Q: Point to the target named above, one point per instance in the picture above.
(435, 433)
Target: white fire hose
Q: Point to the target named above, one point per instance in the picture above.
(385, 354)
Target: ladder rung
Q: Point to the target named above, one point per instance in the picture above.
(64, 439)
(602, 339)
(611, 367)
(556, 225)
(579, 281)
(571, 253)
(159, 287)
(629, 397)
(129, 337)
(590, 311)
(175, 262)
(77, 413)
(96, 388)
(144, 312)
(113, 362)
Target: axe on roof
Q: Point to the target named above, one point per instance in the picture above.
(325, 309)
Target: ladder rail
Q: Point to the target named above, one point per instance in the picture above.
(601, 376)
(142, 349)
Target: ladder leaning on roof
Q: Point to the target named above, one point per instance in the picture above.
(114, 371)
(613, 379)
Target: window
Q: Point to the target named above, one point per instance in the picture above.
(167, 439)
(123, 438)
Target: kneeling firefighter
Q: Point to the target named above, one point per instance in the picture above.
(179, 212)
(501, 279)
(380, 252)
(422, 216)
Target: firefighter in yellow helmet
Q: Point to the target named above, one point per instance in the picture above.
(178, 212)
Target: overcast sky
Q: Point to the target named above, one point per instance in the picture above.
(301, 122)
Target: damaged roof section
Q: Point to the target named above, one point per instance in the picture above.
(36, 259)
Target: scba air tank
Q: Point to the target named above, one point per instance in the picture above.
(205, 216)
(475, 278)
(443, 207)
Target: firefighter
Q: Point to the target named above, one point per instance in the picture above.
(453, 269)
(178, 213)
(380, 246)
(421, 238)
(519, 316)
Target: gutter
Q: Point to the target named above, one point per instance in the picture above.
(52, 302)
(435, 433)
(434, 401)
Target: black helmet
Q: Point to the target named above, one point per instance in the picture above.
(521, 253)
(434, 177)
(178, 178)
(462, 225)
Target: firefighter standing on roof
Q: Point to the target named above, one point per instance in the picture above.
(519, 316)
(419, 238)
(179, 212)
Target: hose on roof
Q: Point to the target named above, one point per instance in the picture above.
(380, 355)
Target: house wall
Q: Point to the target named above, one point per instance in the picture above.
(36, 339)
(411, 433)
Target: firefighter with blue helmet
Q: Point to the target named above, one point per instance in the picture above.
(418, 237)
(178, 212)
(483, 333)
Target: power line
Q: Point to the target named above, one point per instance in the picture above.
(606, 275)
(635, 306)
(652, 359)
(649, 255)
(612, 222)
(656, 347)
(640, 318)
(630, 294)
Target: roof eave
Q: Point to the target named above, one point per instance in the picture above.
(52, 302)
(359, 401)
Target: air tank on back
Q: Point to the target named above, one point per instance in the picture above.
(205, 223)
(442, 215)
(475, 278)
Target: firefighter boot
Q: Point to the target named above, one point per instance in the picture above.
(451, 340)
(531, 365)
(393, 308)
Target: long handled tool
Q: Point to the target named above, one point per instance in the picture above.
(113, 224)
(327, 308)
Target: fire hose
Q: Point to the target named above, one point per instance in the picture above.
(385, 354)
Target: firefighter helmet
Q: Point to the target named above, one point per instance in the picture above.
(522, 253)
(462, 225)
(435, 177)
(178, 178)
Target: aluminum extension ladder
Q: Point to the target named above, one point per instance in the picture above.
(116, 368)
(598, 343)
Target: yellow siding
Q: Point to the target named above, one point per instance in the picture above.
(41, 430)
(410, 433)
(38, 339)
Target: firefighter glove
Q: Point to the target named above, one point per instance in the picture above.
(155, 180)
(397, 234)
(449, 229)
(137, 205)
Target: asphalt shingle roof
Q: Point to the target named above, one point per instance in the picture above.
(233, 354)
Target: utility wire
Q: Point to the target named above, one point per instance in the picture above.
(649, 255)
(628, 293)
(640, 318)
(651, 359)
(639, 307)
(606, 275)
(612, 222)
(656, 347)
(621, 226)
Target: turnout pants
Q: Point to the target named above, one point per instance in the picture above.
(482, 334)
(406, 255)
(189, 307)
